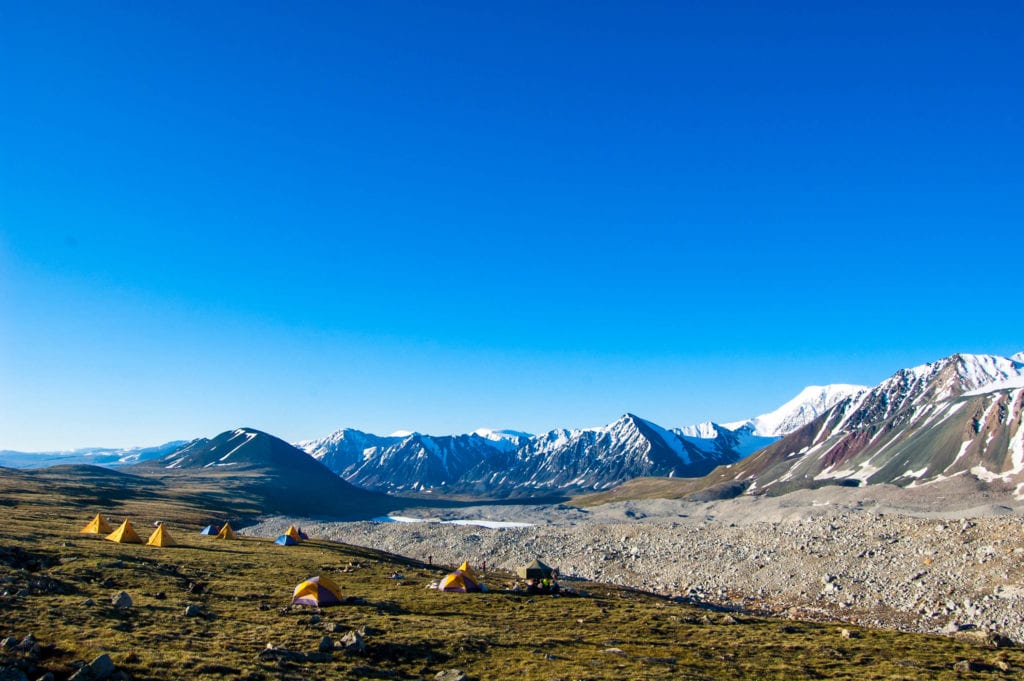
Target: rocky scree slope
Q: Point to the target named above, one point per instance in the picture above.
(914, 574)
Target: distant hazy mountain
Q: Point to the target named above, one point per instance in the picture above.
(961, 415)
(96, 456)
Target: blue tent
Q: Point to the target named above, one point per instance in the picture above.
(285, 540)
(210, 529)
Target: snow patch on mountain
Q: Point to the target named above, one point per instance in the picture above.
(809, 404)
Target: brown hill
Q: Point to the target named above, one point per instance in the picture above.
(269, 474)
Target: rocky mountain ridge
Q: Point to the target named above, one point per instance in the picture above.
(961, 415)
(511, 463)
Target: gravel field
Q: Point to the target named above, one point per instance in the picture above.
(889, 560)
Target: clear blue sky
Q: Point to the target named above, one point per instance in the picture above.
(445, 216)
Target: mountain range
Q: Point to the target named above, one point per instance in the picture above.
(511, 463)
(961, 415)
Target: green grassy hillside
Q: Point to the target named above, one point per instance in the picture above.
(57, 586)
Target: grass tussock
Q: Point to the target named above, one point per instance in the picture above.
(243, 589)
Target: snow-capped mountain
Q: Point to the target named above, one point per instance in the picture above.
(512, 462)
(414, 461)
(960, 415)
(597, 458)
(746, 437)
(809, 404)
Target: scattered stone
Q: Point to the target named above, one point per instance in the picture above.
(326, 645)
(101, 668)
(980, 637)
(9, 642)
(121, 600)
(88, 602)
(352, 643)
(331, 627)
(952, 627)
(614, 651)
(451, 675)
(966, 666)
(849, 633)
(192, 610)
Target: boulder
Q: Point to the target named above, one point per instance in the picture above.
(121, 600)
(352, 642)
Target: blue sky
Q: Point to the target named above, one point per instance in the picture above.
(445, 216)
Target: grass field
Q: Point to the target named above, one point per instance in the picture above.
(51, 573)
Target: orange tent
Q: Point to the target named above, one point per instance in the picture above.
(161, 537)
(125, 534)
(226, 532)
(97, 526)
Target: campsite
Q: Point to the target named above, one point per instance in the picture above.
(213, 609)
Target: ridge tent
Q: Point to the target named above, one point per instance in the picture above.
(286, 540)
(293, 532)
(161, 537)
(535, 570)
(97, 526)
(125, 534)
(318, 592)
(226, 532)
(463, 580)
(210, 530)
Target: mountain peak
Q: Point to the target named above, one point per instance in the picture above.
(809, 404)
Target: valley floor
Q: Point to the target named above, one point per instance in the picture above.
(889, 561)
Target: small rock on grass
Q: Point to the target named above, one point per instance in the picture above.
(192, 610)
(99, 669)
(121, 601)
(451, 675)
(352, 642)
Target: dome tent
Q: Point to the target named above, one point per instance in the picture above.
(318, 592)
(463, 580)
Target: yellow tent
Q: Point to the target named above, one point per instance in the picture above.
(457, 581)
(161, 537)
(97, 526)
(125, 534)
(293, 532)
(317, 591)
(468, 571)
(226, 532)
